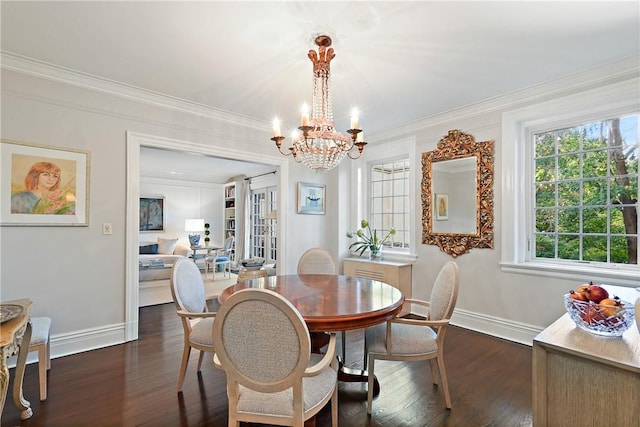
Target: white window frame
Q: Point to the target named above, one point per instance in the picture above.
(408, 225)
(361, 176)
(517, 127)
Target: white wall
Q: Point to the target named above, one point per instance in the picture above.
(183, 200)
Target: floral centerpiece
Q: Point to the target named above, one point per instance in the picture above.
(368, 239)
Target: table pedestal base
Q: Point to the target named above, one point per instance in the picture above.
(319, 340)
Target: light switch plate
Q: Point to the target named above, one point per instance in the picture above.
(106, 228)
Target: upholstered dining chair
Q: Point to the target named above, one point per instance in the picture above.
(220, 257)
(410, 338)
(320, 261)
(188, 292)
(317, 261)
(40, 337)
(272, 378)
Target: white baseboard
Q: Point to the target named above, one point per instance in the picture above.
(495, 326)
(90, 339)
(80, 341)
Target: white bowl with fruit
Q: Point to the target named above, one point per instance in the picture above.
(592, 309)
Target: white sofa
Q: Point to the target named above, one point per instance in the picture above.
(157, 258)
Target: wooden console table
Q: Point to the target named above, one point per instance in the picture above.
(15, 337)
(582, 379)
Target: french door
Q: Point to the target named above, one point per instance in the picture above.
(262, 235)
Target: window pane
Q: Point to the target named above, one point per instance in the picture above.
(545, 144)
(545, 246)
(590, 196)
(569, 140)
(594, 220)
(389, 206)
(594, 164)
(594, 192)
(617, 219)
(569, 166)
(545, 195)
(546, 220)
(595, 248)
(595, 136)
(545, 169)
(569, 193)
(568, 247)
(624, 190)
(620, 248)
(569, 220)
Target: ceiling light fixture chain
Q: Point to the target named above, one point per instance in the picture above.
(316, 144)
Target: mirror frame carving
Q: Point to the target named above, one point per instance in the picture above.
(457, 145)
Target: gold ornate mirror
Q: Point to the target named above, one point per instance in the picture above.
(457, 194)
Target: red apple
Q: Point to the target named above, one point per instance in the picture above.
(582, 290)
(610, 306)
(596, 293)
(578, 296)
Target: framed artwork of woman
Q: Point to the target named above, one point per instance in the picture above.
(43, 185)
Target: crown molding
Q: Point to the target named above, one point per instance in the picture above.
(621, 70)
(40, 69)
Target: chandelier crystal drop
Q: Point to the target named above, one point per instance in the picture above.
(316, 144)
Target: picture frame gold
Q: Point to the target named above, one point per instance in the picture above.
(459, 145)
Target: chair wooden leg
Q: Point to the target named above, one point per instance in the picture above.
(443, 379)
(200, 360)
(370, 385)
(42, 370)
(334, 408)
(434, 371)
(183, 366)
(48, 353)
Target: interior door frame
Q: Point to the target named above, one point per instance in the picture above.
(134, 142)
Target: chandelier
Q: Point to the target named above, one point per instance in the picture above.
(316, 144)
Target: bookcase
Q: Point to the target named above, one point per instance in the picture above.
(229, 211)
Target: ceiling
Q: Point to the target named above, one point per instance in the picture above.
(396, 61)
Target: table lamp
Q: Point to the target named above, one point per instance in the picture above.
(194, 225)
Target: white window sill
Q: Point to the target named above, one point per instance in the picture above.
(628, 277)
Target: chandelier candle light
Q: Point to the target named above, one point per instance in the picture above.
(317, 145)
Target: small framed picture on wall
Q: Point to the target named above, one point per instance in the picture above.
(152, 214)
(311, 198)
(442, 207)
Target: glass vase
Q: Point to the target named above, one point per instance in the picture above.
(375, 252)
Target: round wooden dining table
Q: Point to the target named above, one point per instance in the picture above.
(330, 303)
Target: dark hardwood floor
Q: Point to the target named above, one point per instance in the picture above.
(134, 384)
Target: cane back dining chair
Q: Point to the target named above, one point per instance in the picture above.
(220, 257)
(317, 261)
(188, 292)
(410, 338)
(272, 378)
(320, 261)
